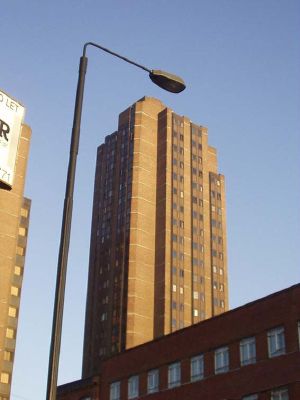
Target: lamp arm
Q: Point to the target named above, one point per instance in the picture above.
(114, 54)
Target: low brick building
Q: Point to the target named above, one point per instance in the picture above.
(249, 353)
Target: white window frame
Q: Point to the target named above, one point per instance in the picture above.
(222, 360)
(280, 394)
(174, 375)
(115, 391)
(197, 368)
(133, 387)
(248, 351)
(153, 381)
(276, 342)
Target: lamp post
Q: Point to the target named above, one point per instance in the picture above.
(165, 80)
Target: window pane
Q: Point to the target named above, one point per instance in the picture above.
(174, 375)
(153, 381)
(280, 394)
(276, 342)
(248, 351)
(114, 391)
(4, 377)
(133, 387)
(197, 368)
(221, 360)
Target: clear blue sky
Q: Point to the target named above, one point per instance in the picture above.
(241, 63)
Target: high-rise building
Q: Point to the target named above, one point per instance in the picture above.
(14, 220)
(158, 258)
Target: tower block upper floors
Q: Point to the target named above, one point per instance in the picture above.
(158, 258)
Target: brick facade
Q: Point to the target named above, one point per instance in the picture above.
(271, 322)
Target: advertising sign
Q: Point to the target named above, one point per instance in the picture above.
(11, 117)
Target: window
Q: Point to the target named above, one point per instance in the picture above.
(280, 394)
(104, 316)
(20, 251)
(114, 393)
(197, 368)
(133, 387)
(221, 360)
(196, 312)
(10, 333)
(24, 212)
(22, 231)
(7, 355)
(12, 312)
(248, 351)
(18, 270)
(14, 291)
(174, 375)
(250, 397)
(276, 342)
(4, 377)
(153, 381)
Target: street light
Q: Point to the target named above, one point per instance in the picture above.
(165, 80)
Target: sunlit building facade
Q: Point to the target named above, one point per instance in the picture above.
(249, 353)
(158, 260)
(14, 221)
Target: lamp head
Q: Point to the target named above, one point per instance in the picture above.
(167, 81)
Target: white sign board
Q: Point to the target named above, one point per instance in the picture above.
(11, 117)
